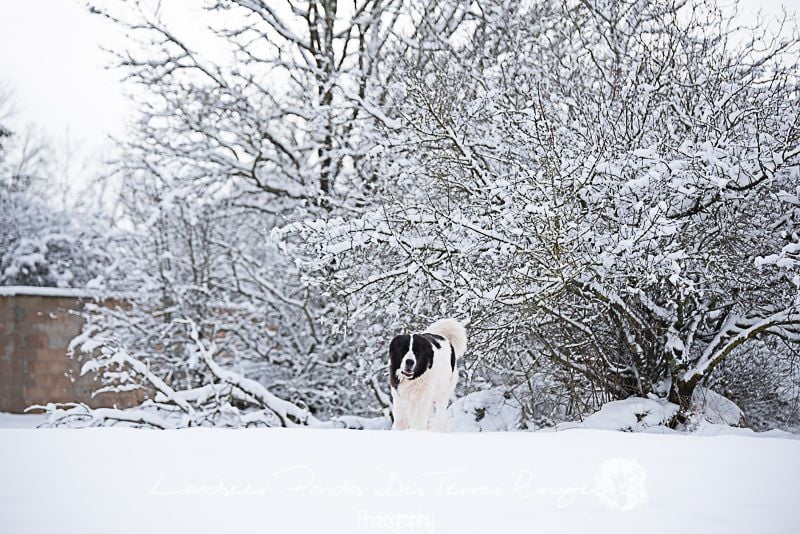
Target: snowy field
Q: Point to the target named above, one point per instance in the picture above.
(304, 480)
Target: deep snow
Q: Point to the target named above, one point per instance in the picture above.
(304, 480)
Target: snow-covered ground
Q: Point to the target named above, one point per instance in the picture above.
(307, 480)
(18, 420)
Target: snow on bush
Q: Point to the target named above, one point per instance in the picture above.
(635, 414)
(491, 410)
(716, 409)
(40, 246)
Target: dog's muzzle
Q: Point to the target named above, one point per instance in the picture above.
(408, 368)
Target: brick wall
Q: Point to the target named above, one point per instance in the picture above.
(36, 327)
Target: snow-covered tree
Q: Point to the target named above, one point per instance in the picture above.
(40, 245)
(263, 121)
(610, 186)
(607, 190)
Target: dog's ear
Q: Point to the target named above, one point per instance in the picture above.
(397, 348)
(394, 345)
(426, 352)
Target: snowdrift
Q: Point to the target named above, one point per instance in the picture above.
(307, 480)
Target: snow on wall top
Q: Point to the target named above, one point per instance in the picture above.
(70, 292)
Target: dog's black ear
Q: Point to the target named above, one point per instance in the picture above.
(397, 348)
(423, 350)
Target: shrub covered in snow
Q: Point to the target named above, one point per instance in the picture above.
(635, 414)
(41, 246)
(716, 409)
(490, 410)
(619, 212)
(606, 190)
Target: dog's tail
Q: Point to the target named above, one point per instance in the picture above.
(453, 331)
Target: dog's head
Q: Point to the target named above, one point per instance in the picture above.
(409, 356)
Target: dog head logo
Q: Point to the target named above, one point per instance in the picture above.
(621, 483)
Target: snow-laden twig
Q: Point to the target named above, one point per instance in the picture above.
(288, 413)
(721, 349)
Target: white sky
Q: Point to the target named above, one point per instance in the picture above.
(50, 56)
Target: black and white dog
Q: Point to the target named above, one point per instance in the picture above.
(423, 372)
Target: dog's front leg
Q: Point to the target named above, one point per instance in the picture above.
(400, 424)
(439, 422)
(422, 412)
(400, 413)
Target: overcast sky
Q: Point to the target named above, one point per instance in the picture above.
(50, 57)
